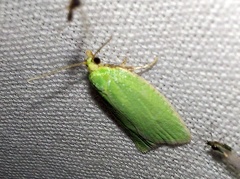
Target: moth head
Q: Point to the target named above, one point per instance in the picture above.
(92, 62)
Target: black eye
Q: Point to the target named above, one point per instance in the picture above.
(96, 60)
(214, 147)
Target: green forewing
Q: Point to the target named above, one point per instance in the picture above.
(145, 113)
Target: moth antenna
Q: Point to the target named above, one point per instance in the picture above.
(103, 45)
(55, 71)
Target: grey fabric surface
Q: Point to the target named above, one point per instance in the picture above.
(57, 127)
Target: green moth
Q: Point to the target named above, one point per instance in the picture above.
(226, 153)
(144, 113)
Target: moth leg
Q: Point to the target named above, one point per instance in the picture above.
(123, 64)
(130, 68)
(147, 66)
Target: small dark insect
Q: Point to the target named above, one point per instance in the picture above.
(73, 4)
(226, 152)
(220, 148)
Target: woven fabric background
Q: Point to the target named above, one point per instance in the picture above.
(56, 127)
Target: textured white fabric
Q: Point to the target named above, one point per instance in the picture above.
(57, 126)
